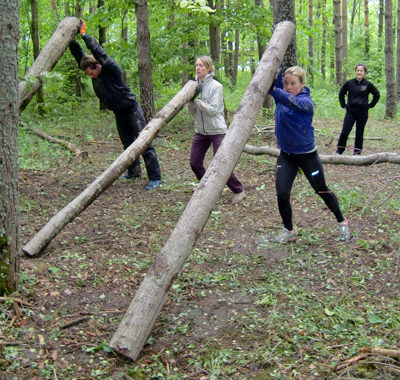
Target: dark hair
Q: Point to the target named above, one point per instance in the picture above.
(363, 66)
(88, 62)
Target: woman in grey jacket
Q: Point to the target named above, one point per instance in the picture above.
(210, 126)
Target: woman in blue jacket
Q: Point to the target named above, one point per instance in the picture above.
(295, 137)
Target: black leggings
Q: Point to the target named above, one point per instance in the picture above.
(360, 118)
(287, 168)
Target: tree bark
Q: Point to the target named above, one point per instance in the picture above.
(285, 10)
(323, 42)
(47, 59)
(9, 211)
(83, 155)
(144, 59)
(149, 299)
(36, 47)
(105, 180)
(398, 52)
(366, 24)
(334, 159)
(389, 62)
(310, 43)
(344, 40)
(338, 42)
(215, 33)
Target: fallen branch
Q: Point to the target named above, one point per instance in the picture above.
(16, 300)
(83, 155)
(334, 159)
(74, 322)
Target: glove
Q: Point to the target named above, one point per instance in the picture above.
(82, 29)
(197, 92)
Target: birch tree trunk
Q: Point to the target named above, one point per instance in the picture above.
(47, 59)
(334, 159)
(149, 299)
(9, 214)
(105, 180)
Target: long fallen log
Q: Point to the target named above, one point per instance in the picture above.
(150, 297)
(47, 59)
(107, 178)
(83, 155)
(334, 159)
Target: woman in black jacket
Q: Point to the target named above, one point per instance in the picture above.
(112, 91)
(357, 107)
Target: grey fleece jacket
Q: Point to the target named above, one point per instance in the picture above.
(208, 109)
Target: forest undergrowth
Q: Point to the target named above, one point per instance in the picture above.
(315, 309)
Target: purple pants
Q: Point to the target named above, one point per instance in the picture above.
(200, 145)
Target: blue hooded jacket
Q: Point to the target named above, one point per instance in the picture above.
(293, 120)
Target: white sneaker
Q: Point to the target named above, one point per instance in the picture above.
(238, 197)
(344, 230)
(285, 236)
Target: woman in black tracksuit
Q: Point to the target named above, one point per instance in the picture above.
(357, 107)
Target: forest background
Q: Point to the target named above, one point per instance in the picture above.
(272, 325)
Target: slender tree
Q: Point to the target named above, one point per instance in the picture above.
(366, 24)
(36, 48)
(398, 52)
(389, 63)
(144, 59)
(310, 43)
(338, 41)
(215, 31)
(380, 24)
(9, 113)
(344, 39)
(324, 38)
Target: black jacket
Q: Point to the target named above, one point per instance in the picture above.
(357, 95)
(109, 86)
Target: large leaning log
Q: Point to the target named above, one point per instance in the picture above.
(47, 59)
(107, 178)
(369, 159)
(83, 155)
(149, 299)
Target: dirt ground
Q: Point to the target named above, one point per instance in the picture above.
(78, 289)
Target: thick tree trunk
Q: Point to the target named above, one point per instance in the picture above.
(9, 214)
(47, 59)
(105, 180)
(285, 10)
(369, 159)
(145, 307)
(83, 155)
